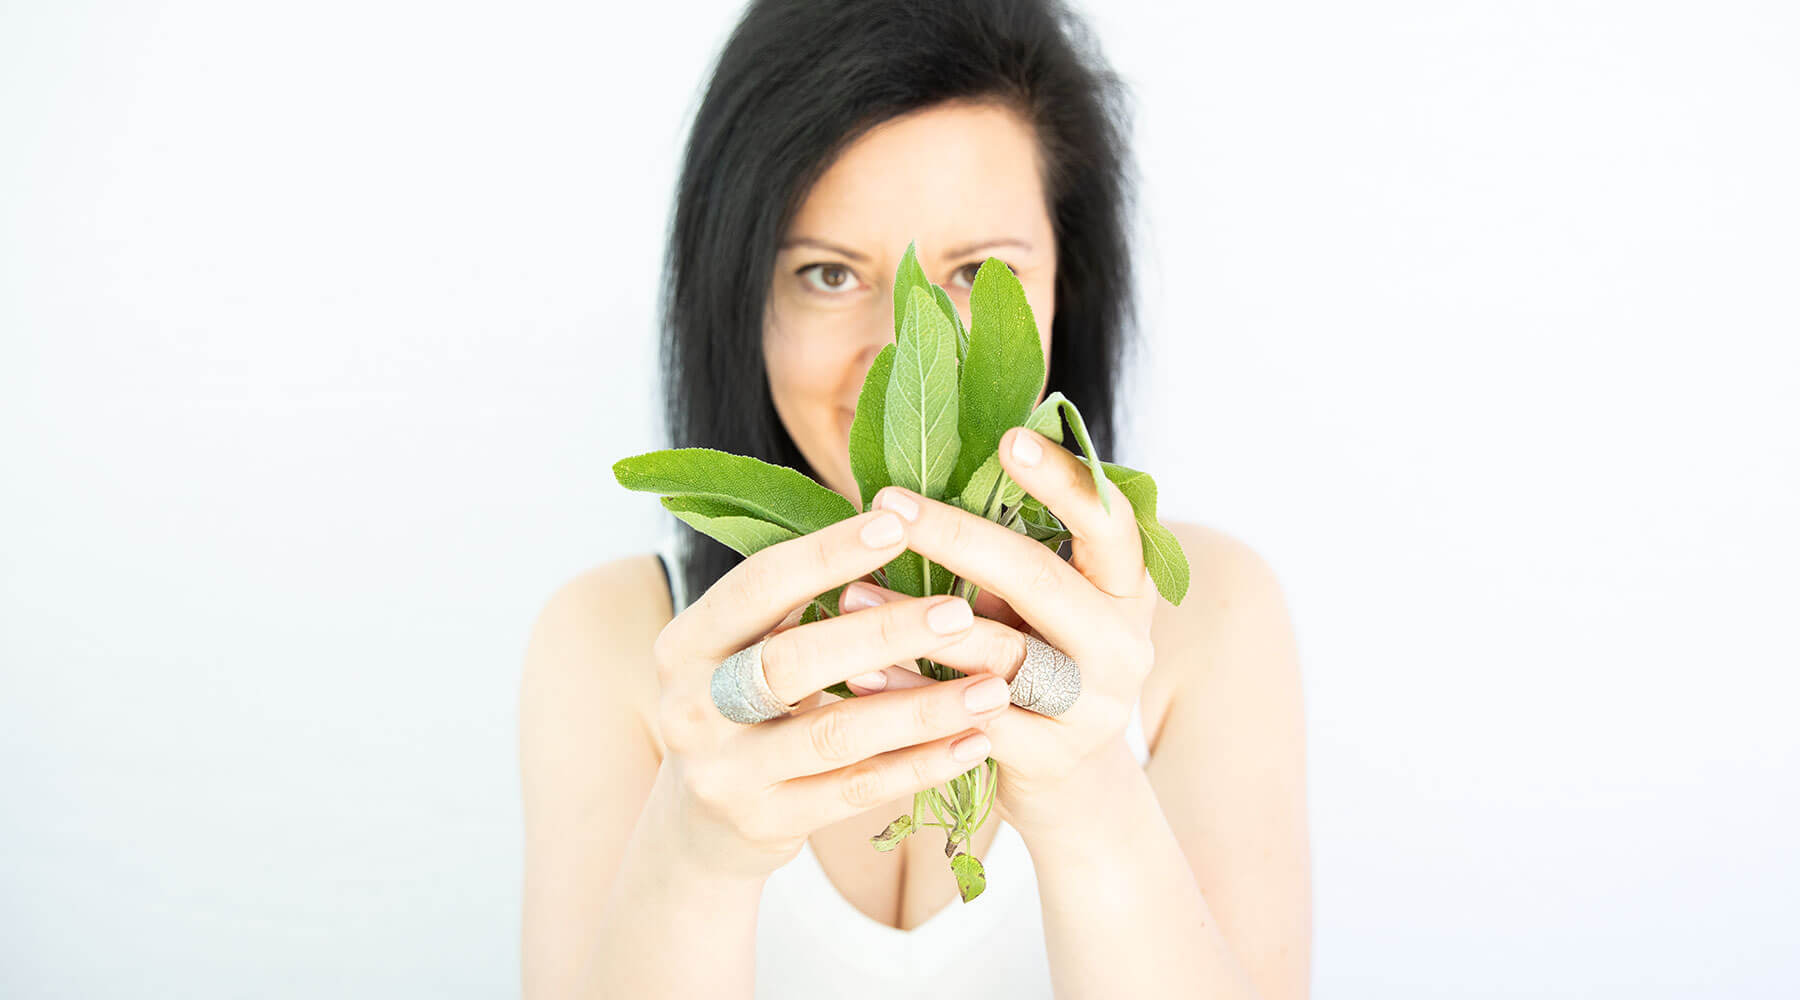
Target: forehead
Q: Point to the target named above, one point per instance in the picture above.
(941, 175)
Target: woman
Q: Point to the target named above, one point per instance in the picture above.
(1152, 839)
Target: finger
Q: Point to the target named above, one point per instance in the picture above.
(844, 732)
(987, 647)
(754, 595)
(889, 678)
(822, 799)
(805, 659)
(1107, 548)
(1047, 592)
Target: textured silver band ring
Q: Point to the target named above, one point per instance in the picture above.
(741, 691)
(1048, 682)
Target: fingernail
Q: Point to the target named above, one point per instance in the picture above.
(898, 502)
(1025, 449)
(857, 597)
(953, 615)
(874, 680)
(972, 747)
(882, 532)
(987, 695)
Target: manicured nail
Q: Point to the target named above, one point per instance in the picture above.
(857, 597)
(972, 747)
(882, 532)
(898, 502)
(987, 695)
(953, 615)
(1025, 449)
(874, 680)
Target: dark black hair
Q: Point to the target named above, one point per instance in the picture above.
(796, 82)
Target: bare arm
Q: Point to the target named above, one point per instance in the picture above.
(588, 767)
(1192, 877)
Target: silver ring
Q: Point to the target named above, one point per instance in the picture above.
(1048, 682)
(740, 690)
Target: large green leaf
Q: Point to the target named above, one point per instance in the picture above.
(868, 458)
(1003, 370)
(728, 522)
(962, 332)
(906, 278)
(910, 276)
(1163, 555)
(919, 418)
(976, 494)
(774, 493)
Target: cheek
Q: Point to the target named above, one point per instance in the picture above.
(808, 368)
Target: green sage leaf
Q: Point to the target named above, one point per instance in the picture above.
(1003, 370)
(1036, 520)
(904, 575)
(980, 487)
(727, 522)
(962, 332)
(774, 493)
(1163, 555)
(890, 837)
(906, 278)
(970, 878)
(1059, 401)
(919, 419)
(868, 457)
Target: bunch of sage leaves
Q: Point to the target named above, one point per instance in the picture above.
(930, 416)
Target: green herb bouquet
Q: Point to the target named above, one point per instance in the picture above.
(932, 410)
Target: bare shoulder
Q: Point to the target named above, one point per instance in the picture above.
(589, 656)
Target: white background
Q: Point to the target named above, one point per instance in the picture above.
(321, 326)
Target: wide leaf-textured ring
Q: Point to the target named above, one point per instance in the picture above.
(741, 691)
(1048, 682)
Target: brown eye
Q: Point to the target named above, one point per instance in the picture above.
(827, 278)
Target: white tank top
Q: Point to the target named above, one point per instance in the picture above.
(811, 942)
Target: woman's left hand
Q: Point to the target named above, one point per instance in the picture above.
(1096, 607)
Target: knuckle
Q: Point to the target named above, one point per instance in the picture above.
(681, 720)
(709, 787)
(863, 787)
(929, 713)
(924, 767)
(889, 629)
(663, 649)
(956, 533)
(830, 735)
(753, 579)
(820, 548)
(1046, 574)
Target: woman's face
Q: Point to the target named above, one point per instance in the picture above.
(961, 179)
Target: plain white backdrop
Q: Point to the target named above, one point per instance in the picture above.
(321, 326)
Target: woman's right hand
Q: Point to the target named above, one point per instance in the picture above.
(745, 797)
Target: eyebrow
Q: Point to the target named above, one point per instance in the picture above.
(961, 251)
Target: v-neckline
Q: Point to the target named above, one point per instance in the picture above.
(978, 913)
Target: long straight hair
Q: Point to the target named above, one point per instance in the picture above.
(798, 81)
